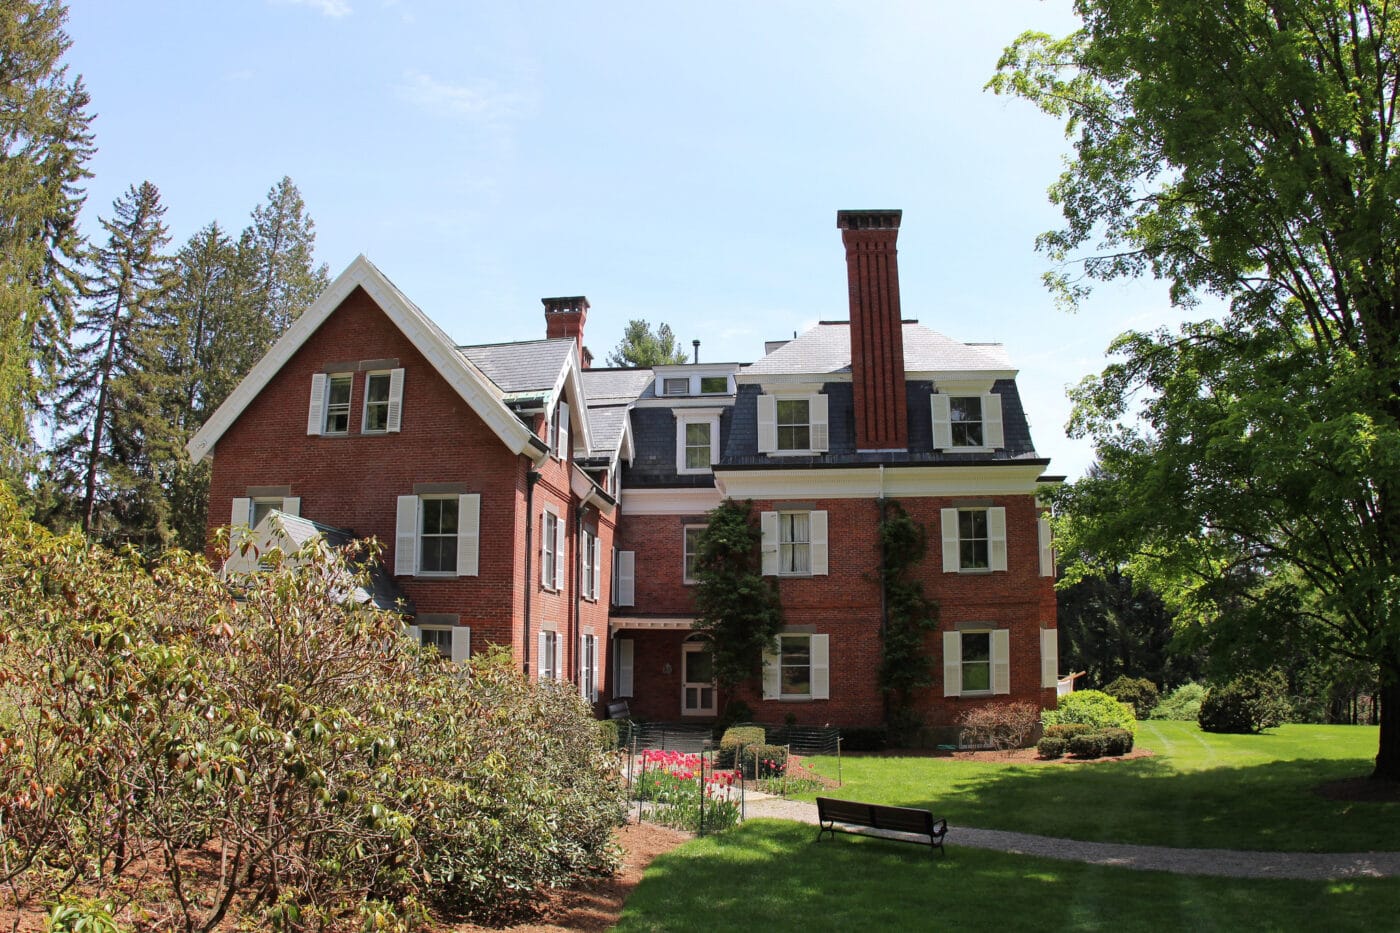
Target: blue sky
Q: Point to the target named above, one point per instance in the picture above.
(676, 163)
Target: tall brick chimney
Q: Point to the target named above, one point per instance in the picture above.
(564, 317)
(877, 335)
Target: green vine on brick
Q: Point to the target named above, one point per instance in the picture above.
(909, 614)
(735, 605)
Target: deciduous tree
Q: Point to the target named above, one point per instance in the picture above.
(1243, 149)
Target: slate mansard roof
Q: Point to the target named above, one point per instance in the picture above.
(826, 349)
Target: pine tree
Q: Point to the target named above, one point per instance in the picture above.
(109, 394)
(280, 247)
(45, 144)
(641, 347)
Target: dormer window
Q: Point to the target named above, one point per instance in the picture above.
(965, 417)
(792, 423)
(967, 420)
(714, 385)
(680, 386)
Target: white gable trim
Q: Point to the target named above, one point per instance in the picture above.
(426, 336)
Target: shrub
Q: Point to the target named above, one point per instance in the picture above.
(1067, 730)
(1051, 746)
(1248, 704)
(1183, 703)
(736, 736)
(1092, 708)
(1088, 745)
(608, 733)
(764, 761)
(1117, 741)
(1138, 692)
(1000, 725)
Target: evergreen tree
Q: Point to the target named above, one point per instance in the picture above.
(45, 144)
(279, 248)
(640, 347)
(112, 429)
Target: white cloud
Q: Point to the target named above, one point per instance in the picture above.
(481, 100)
(332, 8)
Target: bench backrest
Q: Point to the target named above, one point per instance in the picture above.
(877, 816)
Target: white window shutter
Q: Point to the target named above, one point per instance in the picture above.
(1047, 553)
(291, 505)
(597, 569)
(316, 411)
(626, 578)
(952, 559)
(768, 525)
(819, 420)
(817, 533)
(561, 543)
(406, 536)
(992, 435)
(680, 445)
(622, 679)
(238, 519)
(546, 543)
(1001, 660)
(942, 422)
(772, 673)
(952, 664)
(561, 448)
(395, 418)
(996, 537)
(1049, 657)
(543, 666)
(468, 534)
(593, 668)
(821, 667)
(767, 424)
(461, 643)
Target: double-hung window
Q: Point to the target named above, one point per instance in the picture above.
(976, 661)
(338, 386)
(794, 543)
(592, 565)
(377, 395)
(452, 641)
(549, 656)
(967, 420)
(697, 445)
(974, 539)
(793, 423)
(438, 535)
(690, 546)
(549, 528)
(697, 439)
(797, 667)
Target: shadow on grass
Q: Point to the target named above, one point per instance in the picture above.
(1267, 806)
(769, 873)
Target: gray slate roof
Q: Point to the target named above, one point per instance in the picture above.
(826, 348)
(522, 366)
(606, 425)
(615, 386)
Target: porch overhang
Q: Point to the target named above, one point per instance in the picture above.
(650, 623)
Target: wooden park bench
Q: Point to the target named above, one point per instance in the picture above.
(845, 815)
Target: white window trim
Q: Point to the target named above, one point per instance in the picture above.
(952, 540)
(549, 649)
(993, 432)
(686, 417)
(818, 423)
(461, 646)
(818, 550)
(320, 410)
(549, 546)
(418, 547)
(393, 405)
(819, 669)
(408, 530)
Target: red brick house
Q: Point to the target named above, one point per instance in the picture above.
(526, 499)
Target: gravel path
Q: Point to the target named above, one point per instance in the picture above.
(1225, 863)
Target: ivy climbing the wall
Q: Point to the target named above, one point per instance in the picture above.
(909, 614)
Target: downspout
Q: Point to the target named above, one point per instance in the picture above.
(532, 476)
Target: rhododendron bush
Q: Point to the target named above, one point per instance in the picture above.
(330, 770)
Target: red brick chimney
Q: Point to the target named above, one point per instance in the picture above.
(564, 317)
(877, 336)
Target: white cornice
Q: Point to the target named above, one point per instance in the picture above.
(426, 336)
(682, 401)
(668, 501)
(792, 382)
(873, 482)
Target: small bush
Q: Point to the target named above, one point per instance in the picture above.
(1248, 704)
(735, 736)
(1002, 726)
(1088, 745)
(1067, 730)
(608, 733)
(1117, 741)
(1051, 747)
(1183, 703)
(1092, 708)
(763, 761)
(1138, 692)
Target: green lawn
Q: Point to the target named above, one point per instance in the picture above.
(770, 875)
(1198, 791)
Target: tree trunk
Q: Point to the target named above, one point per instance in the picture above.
(1388, 758)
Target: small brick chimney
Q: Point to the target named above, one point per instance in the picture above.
(877, 334)
(564, 317)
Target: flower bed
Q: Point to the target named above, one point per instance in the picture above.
(687, 792)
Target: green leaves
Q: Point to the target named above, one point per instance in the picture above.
(735, 605)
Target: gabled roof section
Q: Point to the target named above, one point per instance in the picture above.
(536, 370)
(611, 393)
(826, 349)
(485, 398)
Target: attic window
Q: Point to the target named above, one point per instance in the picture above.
(714, 385)
(678, 386)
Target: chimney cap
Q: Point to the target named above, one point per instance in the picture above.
(558, 305)
(868, 220)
